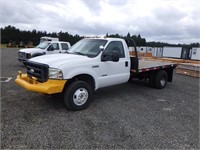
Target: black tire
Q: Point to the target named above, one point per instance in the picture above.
(150, 80)
(77, 88)
(161, 79)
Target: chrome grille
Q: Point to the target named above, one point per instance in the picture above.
(21, 55)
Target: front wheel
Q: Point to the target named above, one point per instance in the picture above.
(77, 95)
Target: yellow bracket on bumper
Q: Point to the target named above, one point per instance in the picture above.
(49, 87)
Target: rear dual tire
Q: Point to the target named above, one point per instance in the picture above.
(157, 80)
(150, 80)
(161, 79)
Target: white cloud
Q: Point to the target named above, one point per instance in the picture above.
(160, 20)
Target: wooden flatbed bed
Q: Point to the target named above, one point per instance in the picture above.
(148, 65)
(149, 70)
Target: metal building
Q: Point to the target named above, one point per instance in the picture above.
(185, 53)
(195, 53)
(157, 52)
(172, 52)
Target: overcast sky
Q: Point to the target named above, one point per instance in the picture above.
(174, 21)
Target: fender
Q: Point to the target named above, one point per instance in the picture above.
(37, 54)
(79, 71)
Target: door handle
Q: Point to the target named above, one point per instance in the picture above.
(126, 63)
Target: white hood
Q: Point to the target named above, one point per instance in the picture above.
(56, 60)
(31, 50)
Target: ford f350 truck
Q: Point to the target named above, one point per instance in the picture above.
(90, 64)
(46, 47)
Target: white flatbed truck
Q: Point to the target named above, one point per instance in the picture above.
(90, 64)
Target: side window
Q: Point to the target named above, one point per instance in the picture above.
(115, 46)
(64, 46)
(55, 46)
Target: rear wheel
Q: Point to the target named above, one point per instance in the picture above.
(150, 80)
(77, 95)
(161, 79)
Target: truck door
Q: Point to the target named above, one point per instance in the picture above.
(111, 72)
(53, 48)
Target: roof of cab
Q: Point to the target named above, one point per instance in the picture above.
(106, 38)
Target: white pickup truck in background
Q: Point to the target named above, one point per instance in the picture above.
(90, 64)
(47, 47)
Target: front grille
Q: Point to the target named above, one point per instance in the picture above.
(38, 70)
(21, 55)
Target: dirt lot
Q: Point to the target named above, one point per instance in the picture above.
(126, 116)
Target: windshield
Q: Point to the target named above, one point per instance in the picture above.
(87, 47)
(42, 40)
(43, 45)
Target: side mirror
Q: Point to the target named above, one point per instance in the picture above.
(50, 48)
(101, 47)
(115, 56)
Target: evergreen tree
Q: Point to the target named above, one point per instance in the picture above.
(10, 34)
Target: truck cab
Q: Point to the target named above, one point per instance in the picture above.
(90, 64)
(47, 47)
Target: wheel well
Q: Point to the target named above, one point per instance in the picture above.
(83, 77)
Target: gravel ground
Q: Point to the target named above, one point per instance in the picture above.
(126, 116)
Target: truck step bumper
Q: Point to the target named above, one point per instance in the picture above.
(49, 87)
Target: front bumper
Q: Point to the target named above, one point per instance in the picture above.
(49, 87)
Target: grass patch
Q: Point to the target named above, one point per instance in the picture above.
(3, 45)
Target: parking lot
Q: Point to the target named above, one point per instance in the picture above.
(126, 116)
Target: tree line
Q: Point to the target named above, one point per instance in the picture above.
(13, 34)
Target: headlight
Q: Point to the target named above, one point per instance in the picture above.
(55, 73)
(28, 55)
